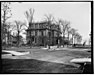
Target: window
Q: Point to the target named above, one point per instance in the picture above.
(39, 33)
(33, 33)
(55, 34)
(44, 25)
(36, 25)
(39, 25)
(32, 26)
(44, 33)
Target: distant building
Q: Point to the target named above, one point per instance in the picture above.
(42, 34)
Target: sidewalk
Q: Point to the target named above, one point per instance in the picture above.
(64, 48)
(58, 55)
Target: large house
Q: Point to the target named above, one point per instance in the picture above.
(43, 33)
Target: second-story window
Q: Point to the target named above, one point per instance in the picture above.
(32, 26)
(44, 25)
(36, 26)
(40, 26)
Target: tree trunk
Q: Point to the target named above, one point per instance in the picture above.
(63, 39)
(45, 39)
(58, 41)
(18, 39)
(72, 40)
(30, 40)
(2, 35)
(30, 34)
(8, 38)
(4, 30)
(49, 41)
(68, 40)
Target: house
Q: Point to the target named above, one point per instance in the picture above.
(43, 34)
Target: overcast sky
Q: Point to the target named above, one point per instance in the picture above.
(78, 13)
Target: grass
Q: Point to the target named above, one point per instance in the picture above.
(36, 66)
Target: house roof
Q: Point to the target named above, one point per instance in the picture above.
(44, 26)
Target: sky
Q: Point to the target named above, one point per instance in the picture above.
(78, 13)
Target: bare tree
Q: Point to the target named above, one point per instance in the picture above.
(30, 15)
(49, 19)
(90, 38)
(9, 30)
(73, 32)
(5, 15)
(78, 38)
(6, 11)
(68, 29)
(59, 31)
(65, 25)
(19, 27)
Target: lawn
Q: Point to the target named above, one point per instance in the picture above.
(36, 66)
(44, 61)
